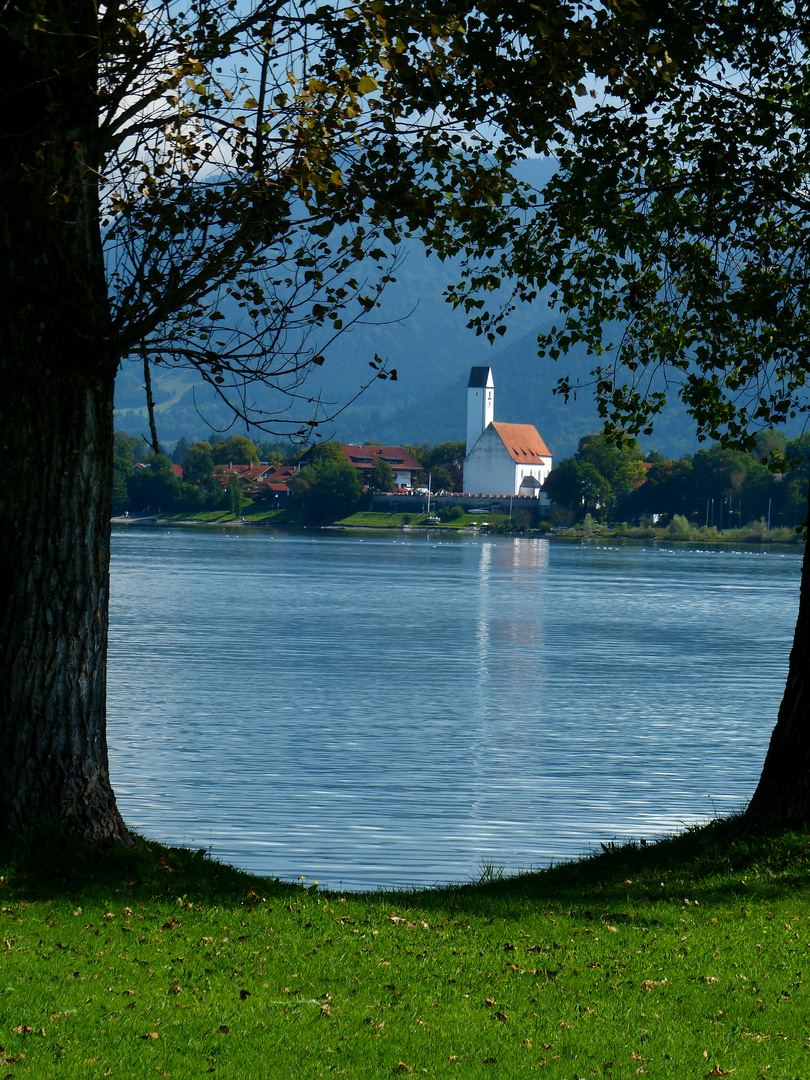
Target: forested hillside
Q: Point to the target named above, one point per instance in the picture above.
(428, 343)
(432, 350)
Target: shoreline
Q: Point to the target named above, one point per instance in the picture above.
(644, 535)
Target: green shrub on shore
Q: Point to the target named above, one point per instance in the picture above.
(682, 959)
(680, 528)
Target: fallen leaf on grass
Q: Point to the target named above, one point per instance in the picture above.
(150, 1035)
(402, 1067)
(411, 925)
(717, 1071)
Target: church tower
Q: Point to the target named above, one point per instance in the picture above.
(480, 404)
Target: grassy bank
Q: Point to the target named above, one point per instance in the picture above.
(680, 959)
(679, 531)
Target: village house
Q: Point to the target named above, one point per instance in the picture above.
(269, 481)
(363, 459)
(176, 469)
(251, 474)
(501, 459)
(402, 464)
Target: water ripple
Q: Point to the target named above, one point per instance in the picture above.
(373, 713)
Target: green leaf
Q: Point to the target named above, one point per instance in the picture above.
(366, 85)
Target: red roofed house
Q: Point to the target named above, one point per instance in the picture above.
(501, 459)
(251, 474)
(258, 480)
(401, 462)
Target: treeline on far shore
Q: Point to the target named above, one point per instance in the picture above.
(716, 492)
(714, 489)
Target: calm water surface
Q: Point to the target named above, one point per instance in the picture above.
(376, 711)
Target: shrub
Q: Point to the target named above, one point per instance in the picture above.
(679, 528)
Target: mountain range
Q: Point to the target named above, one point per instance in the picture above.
(432, 350)
(429, 344)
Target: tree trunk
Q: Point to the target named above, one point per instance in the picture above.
(58, 374)
(782, 797)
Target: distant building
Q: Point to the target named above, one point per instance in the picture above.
(401, 462)
(501, 459)
(176, 469)
(251, 474)
(258, 480)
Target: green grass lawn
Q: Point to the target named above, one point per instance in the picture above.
(372, 519)
(681, 959)
(253, 514)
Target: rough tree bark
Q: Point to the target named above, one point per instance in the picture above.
(782, 796)
(56, 421)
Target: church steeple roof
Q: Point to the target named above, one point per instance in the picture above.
(480, 377)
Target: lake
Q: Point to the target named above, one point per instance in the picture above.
(407, 709)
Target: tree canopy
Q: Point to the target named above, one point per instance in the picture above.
(259, 167)
(597, 477)
(673, 236)
(237, 450)
(198, 464)
(327, 490)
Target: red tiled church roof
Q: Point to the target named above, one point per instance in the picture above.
(523, 442)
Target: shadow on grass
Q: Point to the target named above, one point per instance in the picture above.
(709, 864)
(47, 862)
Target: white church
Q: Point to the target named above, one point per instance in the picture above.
(501, 459)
